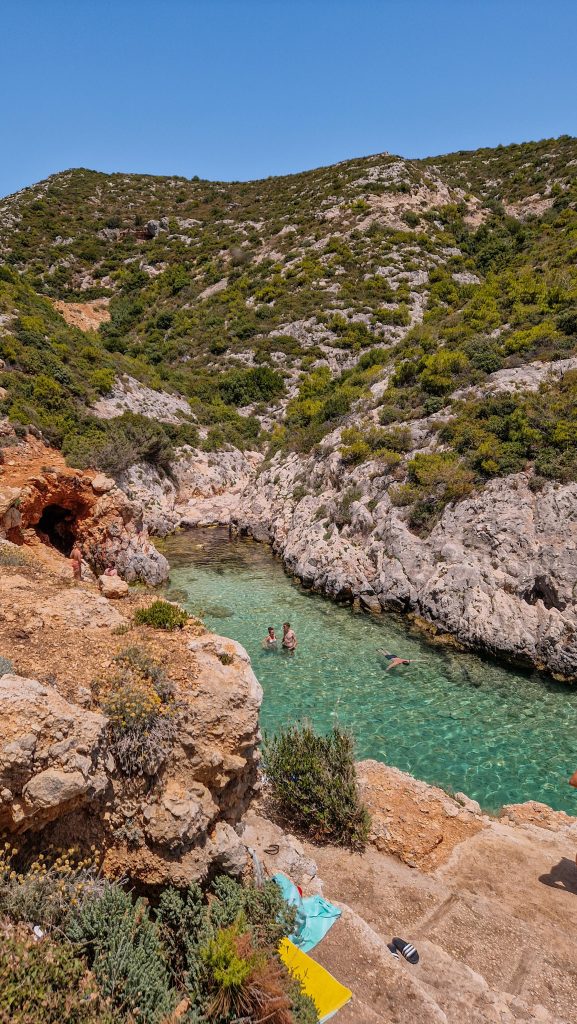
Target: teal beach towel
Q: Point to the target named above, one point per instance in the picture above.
(315, 915)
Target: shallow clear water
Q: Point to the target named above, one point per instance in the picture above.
(454, 719)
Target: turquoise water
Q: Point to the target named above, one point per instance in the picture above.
(453, 719)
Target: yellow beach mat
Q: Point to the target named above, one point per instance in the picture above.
(326, 992)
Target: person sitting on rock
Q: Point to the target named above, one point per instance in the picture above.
(289, 640)
(111, 570)
(394, 660)
(76, 559)
(270, 639)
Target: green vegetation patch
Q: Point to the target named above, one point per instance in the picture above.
(314, 785)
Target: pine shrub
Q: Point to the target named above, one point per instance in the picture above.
(314, 785)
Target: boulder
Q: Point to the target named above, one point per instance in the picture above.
(50, 754)
(113, 587)
(101, 484)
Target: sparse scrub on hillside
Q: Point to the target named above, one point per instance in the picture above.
(161, 615)
(139, 702)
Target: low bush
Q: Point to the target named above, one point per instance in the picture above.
(47, 983)
(125, 952)
(142, 713)
(161, 615)
(6, 666)
(314, 785)
(45, 890)
(11, 555)
(108, 958)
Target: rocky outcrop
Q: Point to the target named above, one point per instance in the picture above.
(498, 572)
(129, 395)
(45, 503)
(418, 823)
(58, 773)
(50, 755)
(203, 489)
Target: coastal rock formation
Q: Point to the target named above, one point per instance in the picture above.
(45, 504)
(50, 755)
(58, 773)
(203, 489)
(497, 573)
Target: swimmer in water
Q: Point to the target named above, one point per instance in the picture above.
(393, 660)
(270, 640)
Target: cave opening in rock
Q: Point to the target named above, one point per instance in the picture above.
(57, 525)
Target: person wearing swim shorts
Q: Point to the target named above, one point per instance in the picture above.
(289, 640)
(394, 660)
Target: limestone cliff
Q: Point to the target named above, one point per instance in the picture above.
(498, 572)
(57, 772)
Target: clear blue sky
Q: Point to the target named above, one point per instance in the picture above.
(237, 89)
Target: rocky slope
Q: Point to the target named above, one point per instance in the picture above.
(58, 776)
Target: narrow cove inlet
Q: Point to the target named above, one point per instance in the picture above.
(462, 722)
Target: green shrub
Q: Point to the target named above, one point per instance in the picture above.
(161, 615)
(242, 387)
(125, 952)
(46, 983)
(313, 784)
(6, 666)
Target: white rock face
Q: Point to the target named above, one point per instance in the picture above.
(129, 395)
(204, 489)
(498, 572)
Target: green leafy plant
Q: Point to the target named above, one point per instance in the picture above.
(161, 615)
(313, 784)
(47, 983)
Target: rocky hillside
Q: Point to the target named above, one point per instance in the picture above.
(381, 354)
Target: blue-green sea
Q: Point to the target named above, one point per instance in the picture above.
(465, 723)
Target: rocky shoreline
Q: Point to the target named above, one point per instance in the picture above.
(497, 574)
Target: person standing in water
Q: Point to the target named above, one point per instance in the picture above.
(270, 641)
(289, 640)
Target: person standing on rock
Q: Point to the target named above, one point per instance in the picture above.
(76, 559)
(289, 640)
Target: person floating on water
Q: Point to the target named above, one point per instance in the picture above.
(271, 639)
(394, 660)
(289, 640)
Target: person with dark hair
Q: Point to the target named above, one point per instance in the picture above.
(270, 641)
(289, 640)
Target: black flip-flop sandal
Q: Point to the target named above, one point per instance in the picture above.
(393, 950)
(407, 950)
